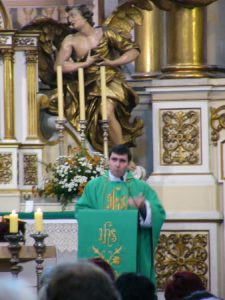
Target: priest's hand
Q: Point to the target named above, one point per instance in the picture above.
(138, 201)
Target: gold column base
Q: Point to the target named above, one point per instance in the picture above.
(145, 75)
(192, 71)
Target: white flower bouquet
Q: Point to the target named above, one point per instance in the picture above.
(67, 177)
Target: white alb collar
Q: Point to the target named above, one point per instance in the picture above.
(114, 178)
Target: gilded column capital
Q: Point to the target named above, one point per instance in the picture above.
(8, 54)
(31, 56)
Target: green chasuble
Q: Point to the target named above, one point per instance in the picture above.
(101, 193)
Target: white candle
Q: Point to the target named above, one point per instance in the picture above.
(13, 222)
(103, 93)
(60, 92)
(81, 93)
(38, 220)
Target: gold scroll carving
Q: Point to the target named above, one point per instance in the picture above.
(5, 168)
(180, 137)
(30, 169)
(217, 122)
(182, 252)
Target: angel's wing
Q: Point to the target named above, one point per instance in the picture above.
(130, 13)
(51, 36)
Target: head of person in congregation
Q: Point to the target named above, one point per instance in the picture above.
(117, 189)
(185, 285)
(132, 286)
(80, 281)
(104, 265)
(15, 289)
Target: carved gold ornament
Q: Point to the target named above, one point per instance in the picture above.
(4, 40)
(182, 252)
(30, 169)
(5, 168)
(25, 41)
(167, 4)
(180, 137)
(193, 3)
(217, 122)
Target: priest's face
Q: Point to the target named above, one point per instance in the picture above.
(118, 164)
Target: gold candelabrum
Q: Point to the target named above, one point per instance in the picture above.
(60, 125)
(40, 248)
(14, 247)
(105, 128)
(83, 126)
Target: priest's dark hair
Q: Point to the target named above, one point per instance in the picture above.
(121, 149)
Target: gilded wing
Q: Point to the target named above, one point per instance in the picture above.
(130, 13)
(51, 36)
(127, 15)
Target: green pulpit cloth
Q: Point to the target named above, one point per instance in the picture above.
(105, 234)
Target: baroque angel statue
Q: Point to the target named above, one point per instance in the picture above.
(80, 44)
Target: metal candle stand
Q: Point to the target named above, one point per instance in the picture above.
(14, 248)
(105, 128)
(40, 247)
(60, 125)
(83, 125)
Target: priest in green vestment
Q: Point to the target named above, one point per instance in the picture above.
(117, 189)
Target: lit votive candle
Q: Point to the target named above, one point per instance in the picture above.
(13, 222)
(38, 220)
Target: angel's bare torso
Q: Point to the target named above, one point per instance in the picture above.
(81, 43)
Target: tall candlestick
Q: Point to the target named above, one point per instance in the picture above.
(38, 220)
(81, 93)
(60, 92)
(103, 91)
(13, 222)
